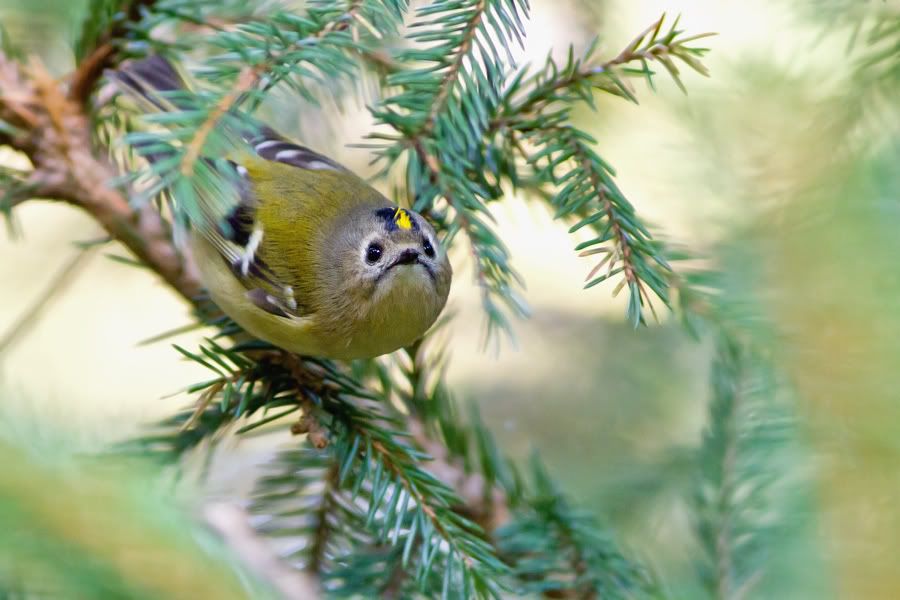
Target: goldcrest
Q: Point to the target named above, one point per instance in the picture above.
(311, 258)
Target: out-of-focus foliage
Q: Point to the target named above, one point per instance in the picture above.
(810, 278)
(839, 311)
(101, 528)
(737, 513)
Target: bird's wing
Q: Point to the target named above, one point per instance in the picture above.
(226, 216)
(239, 238)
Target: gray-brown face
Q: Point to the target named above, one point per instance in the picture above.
(400, 244)
(390, 259)
(390, 283)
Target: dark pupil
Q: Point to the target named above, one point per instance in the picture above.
(373, 253)
(429, 251)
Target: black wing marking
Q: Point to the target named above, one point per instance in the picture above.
(239, 242)
(238, 224)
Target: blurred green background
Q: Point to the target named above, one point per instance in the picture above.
(782, 167)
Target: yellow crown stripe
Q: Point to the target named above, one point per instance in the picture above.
(401, 218)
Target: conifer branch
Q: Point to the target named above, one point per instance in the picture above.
(621, 246)
(529, 96)
(578, 546)
(249, 383)
(661, 50)
(394, 463)
(734, 511)
(321, 534)
(719, 534)
(587, 192)
(724, 494)
(558, 551)
(450, 77)
(457, 542)
(536, 110)
(437, 428)
(300, 48)
(54, 132)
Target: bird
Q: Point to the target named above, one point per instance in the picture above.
(307, 255)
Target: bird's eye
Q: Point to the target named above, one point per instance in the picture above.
(373, 253)
(428, 248)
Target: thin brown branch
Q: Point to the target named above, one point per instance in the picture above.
(89, 71)
(203, 403)
(56, 138)
(309, 424)
(381, 61)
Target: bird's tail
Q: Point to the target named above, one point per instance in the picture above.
(203, 197)
(154, 86)
(150, 81)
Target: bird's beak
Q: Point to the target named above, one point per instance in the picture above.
(409, 256)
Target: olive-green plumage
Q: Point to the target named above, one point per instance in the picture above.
(302, 227)
(315, 244)
(310, 258)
